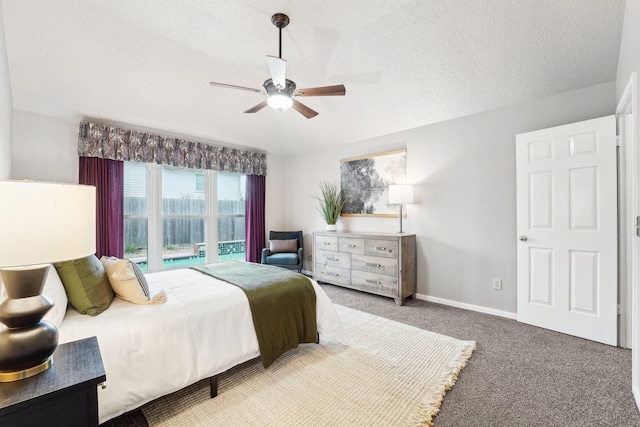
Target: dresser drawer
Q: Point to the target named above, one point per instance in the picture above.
(378, 283)
(336, 275)
(375, 264)
(327, 243)
(334, 259)
(351, 245)
(385, 248)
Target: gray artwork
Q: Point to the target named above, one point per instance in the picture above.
(364, 182)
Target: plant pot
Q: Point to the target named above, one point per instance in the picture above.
(331, 227)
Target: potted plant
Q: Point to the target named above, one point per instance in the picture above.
(331, 202)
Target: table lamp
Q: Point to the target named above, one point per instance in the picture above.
(400, 194)
(40, 223)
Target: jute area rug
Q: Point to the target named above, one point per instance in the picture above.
(384, 373)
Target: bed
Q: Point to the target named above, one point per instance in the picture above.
(203, 329)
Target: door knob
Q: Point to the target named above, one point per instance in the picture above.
(523, 238)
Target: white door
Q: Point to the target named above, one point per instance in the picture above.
(567, 229)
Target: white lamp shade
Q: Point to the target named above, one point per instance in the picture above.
(280, 102)
(43, 222)
(400, 194)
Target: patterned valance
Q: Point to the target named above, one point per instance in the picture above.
(109, 142)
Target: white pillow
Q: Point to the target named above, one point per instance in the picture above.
(54, 290)
(128, 282)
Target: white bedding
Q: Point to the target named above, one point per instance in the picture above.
(203, 329)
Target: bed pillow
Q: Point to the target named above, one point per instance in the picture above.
(277, 246)
(128, 281)
(54, 290)
(86, 284)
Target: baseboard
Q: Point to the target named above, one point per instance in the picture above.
(478, 308)
(636, 394)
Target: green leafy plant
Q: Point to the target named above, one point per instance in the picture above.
(130, 248)
(331, 201)
(170, 247)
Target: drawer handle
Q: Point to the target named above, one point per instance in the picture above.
(326, 243)
(372, 264)
(375, 282)
(331, 259)
(103, 385)
(335, 274)
(351, 245)
(380, 248)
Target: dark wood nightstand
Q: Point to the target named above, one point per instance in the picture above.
(64, 395)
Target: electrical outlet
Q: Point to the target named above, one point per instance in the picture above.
(497, 284)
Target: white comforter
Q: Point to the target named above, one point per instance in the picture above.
(203, 329)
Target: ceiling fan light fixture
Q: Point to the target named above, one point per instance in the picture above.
(280, 101)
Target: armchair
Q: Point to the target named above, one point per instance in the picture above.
(285, 250)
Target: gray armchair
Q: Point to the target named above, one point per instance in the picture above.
(282, 252)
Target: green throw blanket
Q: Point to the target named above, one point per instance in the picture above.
(283, 304)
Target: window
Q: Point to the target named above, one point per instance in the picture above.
(184, 217)
(171, 215)
(231, 215)
(136, 221)
(200, 183)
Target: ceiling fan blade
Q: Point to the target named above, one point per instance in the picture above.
(278, 69)
(303, 109)
(228, 86)
(257, 107)
(337, 90)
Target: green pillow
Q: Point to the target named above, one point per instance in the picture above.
(86, 284)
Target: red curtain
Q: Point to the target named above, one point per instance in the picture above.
(108, 178)
(254, 217)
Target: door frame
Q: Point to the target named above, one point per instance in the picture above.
(628, 114)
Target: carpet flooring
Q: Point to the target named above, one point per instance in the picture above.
(519, 375)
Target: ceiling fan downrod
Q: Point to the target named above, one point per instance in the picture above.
(280, 20)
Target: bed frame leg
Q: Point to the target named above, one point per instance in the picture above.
(213, 385)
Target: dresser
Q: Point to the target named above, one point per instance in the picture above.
(382, 264)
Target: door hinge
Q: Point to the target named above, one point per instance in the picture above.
(618, 309)
(618, 140)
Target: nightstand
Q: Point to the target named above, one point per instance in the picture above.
(64, 395)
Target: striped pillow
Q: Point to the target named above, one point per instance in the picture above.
(128, 281)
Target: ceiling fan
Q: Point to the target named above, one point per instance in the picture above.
(280, 90)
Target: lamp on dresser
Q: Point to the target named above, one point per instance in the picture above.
(400, 194)
(40, 223)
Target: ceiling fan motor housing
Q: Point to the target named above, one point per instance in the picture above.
(271, 89)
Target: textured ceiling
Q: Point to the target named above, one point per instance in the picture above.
(405, 63)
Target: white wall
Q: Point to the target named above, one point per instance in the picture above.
(464, 171)
(276, 192)
(464, 214)
(44, 148)
(629, 58)
(6, 105)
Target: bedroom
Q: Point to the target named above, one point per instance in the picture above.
(460, 151)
